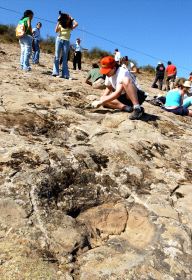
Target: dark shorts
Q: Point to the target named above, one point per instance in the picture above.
(182, 111)
(141, 98)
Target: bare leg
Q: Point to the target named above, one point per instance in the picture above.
(131, 92)
(115, 104)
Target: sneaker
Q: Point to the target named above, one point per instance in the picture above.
(128, 109)
(137, 114)
(27, 69)
(68, 78)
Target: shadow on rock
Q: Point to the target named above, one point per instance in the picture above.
(149, 117)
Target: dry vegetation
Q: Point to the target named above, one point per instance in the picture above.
(7, 35)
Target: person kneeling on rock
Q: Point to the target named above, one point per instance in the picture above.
(121, 91)
(95, 78)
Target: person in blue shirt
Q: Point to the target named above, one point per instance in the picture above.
(77, 54)
(36, 40)
(175, 99)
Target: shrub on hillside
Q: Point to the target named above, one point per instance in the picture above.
(96, 53)
(148, 68)
(3, 29)
(7, 33)
(48, 45)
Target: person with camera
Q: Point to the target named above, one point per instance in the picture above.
(64, 27)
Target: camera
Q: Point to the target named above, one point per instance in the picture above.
(65, 20)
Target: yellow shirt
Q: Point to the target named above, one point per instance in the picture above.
(64, 33)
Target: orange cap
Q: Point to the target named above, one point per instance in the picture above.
(107, 63)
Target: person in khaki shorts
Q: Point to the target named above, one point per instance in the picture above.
(95, 78)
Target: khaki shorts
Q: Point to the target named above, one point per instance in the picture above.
(99, 84)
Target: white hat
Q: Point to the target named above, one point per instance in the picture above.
(187, 84)
(159, 62)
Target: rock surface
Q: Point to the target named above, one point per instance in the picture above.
(87, 193)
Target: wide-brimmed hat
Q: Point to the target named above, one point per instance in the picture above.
(187, 84)
(107, 64)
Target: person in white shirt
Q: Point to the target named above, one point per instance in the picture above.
(77, 54)
(121, 92)
(36, 40)
(127, 64)
(117, 56)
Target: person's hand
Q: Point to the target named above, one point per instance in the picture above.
(96, 104)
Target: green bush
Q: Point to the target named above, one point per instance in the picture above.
(7, 33)
(148, 68)
(96, 53)
(3, 29)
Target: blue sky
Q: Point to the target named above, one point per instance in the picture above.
(145, 30)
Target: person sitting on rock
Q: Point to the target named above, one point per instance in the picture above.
(95, 78)
(175, 101)
(121, 91)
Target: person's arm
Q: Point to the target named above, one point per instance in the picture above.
(75, 24)
(87, 79)
(134, 70)
(57, 28)
(106, 92)
(29, 26)
(182, 97)
(110, 96)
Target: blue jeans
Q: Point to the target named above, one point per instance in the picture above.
(26, 49)
(187, 102)
(61, 47)
(36, 51)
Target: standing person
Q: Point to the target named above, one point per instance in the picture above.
(121, 91)
(95, 78)
(77, 54)
(159, 76)
(117, 56)
(36, 40)
(26, 40)
(171, 72)
(64, 27)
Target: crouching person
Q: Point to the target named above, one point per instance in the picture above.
(95, 78)
(121, 91)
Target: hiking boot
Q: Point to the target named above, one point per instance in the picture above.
(137, 114)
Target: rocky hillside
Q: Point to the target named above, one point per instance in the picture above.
(87, 194)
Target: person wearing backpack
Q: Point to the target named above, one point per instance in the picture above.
(25, 39)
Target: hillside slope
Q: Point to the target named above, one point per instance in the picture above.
(87, 193)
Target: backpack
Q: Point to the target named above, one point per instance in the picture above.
(20, 30)
(158, 101)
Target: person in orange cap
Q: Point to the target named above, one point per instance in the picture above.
(121, 91)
